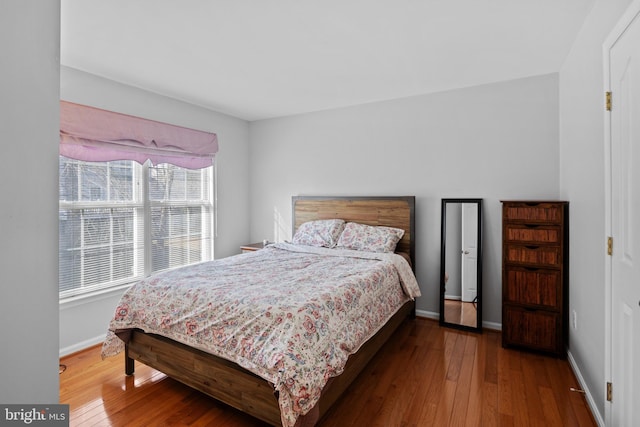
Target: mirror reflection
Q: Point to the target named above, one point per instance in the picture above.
(461, 264)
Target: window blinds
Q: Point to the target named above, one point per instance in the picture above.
(135, 195)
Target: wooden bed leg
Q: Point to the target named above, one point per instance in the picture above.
(129, 363)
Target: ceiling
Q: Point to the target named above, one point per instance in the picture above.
(257, 59)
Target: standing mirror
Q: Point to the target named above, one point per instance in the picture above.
(461, 264)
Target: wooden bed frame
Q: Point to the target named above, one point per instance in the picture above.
(243, 390)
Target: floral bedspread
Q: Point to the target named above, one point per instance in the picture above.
(291, 314)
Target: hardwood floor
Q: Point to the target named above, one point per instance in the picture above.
(424, 376)
(462, 313)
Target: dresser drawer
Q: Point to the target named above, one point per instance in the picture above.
(533, 286)
(532, 233)
(537, 329)
(533, 212)
(540, 255)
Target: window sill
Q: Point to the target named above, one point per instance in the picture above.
(93, 296)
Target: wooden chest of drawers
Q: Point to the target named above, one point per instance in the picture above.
(535, 270)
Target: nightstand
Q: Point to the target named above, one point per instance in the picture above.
(253, 247)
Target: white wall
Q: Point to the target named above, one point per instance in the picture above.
(497, 141)
(84, 322)
(29, 123)
(582, 182)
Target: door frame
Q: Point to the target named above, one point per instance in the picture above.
(469, 223)
(632, 12)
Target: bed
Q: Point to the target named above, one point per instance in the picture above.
(280, 392)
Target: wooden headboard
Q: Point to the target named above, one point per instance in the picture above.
(398, 212)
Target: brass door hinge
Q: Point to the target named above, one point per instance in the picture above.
(609, 245)
(608, 101)
(609, 392)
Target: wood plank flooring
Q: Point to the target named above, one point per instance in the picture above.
(462, 313)
(425, 375)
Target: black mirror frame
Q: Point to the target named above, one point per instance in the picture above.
(443, 238)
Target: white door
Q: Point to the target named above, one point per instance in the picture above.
(469, 251)
(624, 81)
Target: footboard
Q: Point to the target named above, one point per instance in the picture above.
(214, 376)
(236, 386)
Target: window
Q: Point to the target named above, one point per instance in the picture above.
(121, 221)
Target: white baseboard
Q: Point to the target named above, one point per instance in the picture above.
(492, 325)
(587, 393)
(81, 345)
(428, 314)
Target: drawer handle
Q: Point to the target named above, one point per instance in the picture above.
(532, 247)
(532, 225)
(530, 309)
(532, 203)
(532, 268)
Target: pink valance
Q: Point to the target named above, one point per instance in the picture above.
(95, 135)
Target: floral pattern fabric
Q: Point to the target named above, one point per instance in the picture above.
(291, 314)
(362, 237)
(322, 233)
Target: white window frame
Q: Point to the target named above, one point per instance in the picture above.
(143, 201)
